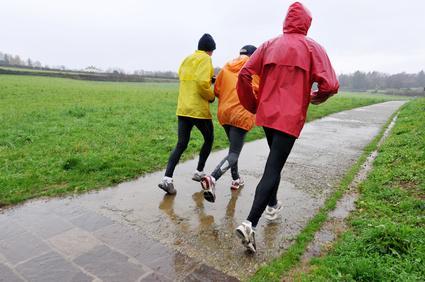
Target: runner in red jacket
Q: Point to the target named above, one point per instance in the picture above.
(287, 65)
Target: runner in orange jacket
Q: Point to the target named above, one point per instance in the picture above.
(234, 118)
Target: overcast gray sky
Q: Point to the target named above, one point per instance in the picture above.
(387, 36)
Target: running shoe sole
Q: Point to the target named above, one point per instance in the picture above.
(273, 216)
(247, 244)
(196, 178)
(160, 185)
(234, 187)
(208, 193)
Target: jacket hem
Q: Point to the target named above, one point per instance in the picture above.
(237, 125)
(279, 129)
(191, 116)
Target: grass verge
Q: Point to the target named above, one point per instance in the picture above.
(386, 238)
(274, 270)
(61, 136)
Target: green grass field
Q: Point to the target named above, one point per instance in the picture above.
(386, 238)
(61, 136)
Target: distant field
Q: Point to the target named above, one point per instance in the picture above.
(61, 136)
(27, 69)
(81, 75)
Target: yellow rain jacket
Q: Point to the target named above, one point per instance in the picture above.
(195, 91)
(230, 111)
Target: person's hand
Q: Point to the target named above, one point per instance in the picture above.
(213, 80)
(316, 99)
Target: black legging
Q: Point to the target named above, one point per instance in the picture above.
(280, 146)
(185, 125)
(236, 136)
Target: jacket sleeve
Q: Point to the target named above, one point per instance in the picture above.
(204, 72)
(255, 84)
(217, 84)
(324, 74)
(245, 89)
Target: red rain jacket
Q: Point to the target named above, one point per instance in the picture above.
(288, 65)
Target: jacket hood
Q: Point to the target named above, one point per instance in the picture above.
(236, 65)
(298, 19)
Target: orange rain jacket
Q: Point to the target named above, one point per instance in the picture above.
(287, 65)
(230, 111)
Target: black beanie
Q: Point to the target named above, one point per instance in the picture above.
(206, 43)
(247, 50)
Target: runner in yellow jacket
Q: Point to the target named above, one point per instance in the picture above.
(195, 93)
(234, 118)
(193, 109)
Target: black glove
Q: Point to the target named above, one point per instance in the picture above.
(213, 79)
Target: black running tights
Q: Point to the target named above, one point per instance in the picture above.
(185, 125)
(236, 136)
(280, 146)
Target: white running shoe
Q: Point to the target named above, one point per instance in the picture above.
(272, 213)
(247, 234)
(208, 185)
(168, 187)
(197, 176)
(236, 184)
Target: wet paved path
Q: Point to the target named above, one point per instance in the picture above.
(133, 232)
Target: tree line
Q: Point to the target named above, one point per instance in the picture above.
(357, 81)
(16, 60)
(380, 81)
